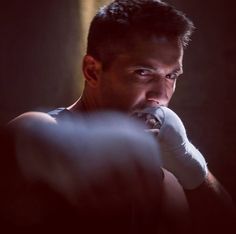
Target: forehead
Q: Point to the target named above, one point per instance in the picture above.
(162, 50)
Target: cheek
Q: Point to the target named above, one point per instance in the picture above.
(131, 94)
(170, 88)
(173, 86)
(127, 96)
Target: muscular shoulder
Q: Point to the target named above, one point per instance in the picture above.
(29, 121)
(30, 118)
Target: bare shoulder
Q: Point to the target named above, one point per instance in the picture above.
(30, 119)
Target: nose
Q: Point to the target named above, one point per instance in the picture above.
(159, 92)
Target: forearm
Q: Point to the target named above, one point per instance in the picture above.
(211, 206)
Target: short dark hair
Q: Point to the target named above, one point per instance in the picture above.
(114, 25)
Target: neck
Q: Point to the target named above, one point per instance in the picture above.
(86, 103)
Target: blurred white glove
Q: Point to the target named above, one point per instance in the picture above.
(103, 162)
(179, 156)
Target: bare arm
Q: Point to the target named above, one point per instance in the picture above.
(103, 170)
(211, 207)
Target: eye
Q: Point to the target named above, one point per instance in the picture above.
(142, 72)
(172, 76)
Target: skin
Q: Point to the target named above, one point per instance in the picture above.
(143, 76)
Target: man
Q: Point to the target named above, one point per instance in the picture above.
(134, 58)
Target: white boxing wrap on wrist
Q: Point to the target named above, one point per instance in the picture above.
(179, 156)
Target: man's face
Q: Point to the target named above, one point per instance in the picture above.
(143, 76)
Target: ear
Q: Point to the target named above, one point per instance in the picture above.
(92, 70)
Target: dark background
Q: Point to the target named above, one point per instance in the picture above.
(39, 54)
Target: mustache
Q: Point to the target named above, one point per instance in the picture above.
(152, 103)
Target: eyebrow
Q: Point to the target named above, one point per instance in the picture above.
(142, 66)
(178, 70)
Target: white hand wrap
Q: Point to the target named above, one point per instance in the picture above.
(179, 156)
